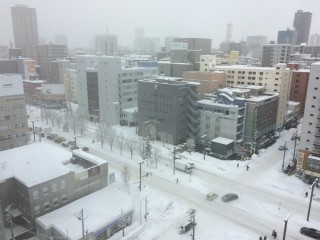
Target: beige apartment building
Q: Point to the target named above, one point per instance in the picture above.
(209, 81)
(13, 113)
(274, 79)
(70, 85)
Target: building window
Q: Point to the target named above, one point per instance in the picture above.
(63, 184)
(317, 78)
(314, 97)
(46, 205)
(37, 209)
(54, 187)
(309, 131)
(35, 194)
(56, 202)
(64, 198)
(310, 123)
(45, 190)
(311, 115)
(312, 106)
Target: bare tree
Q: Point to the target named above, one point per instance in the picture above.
(130, 143)
(102, 132)
(66, 121)
(73, 120)
(59, 118)
(140, 145)
(110, 136)
(126, 174)
(52, 116)
(46, 114)
(148, 151)
(156, 154)
(82, 123)
(190, 145)
(121, 141)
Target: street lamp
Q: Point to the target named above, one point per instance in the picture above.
(285, 226)
(312, 188)
(146, 211)
(284, 155)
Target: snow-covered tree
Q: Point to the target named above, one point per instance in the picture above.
(52, 116)
(126, 174)
(156, 154)
(110, 136)
(102, 132)
(140, 145)
(121, 141)
(190, 145)
(82, 123)
(59, 118)
(46, 115)
(147, 152)
(130, 143)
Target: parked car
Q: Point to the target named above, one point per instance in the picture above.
(59, 139)
(52, 136)
(74, 147)
(282, 147)
(311, 232)
(72, 143)
(86, 149)
(211, 195)
(229, 197)
(65, 144)
(187, 227)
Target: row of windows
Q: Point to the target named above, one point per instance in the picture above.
(46, 205)
(45, 190)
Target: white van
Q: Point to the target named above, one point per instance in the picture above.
(211, 196)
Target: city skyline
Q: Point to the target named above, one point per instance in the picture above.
(159, 19)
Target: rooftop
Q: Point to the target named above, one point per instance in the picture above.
(34, 163)
(40, 162)
(97, 213)
(222, 140)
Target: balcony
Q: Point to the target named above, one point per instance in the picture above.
(316, 142)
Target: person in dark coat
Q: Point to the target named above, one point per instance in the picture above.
(306, 194)
(260, 238)
(247, 168)
(265, 238)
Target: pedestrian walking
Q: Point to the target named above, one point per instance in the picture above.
(265, 238)
(306, 194)
(260, 238)
(247, 167)
(177, 180)
(237, 165)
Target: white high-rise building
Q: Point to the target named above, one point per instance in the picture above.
(70, 85)
(107, 91)
(274, 79)
(309, 149)
(25, 30)
(314, 40)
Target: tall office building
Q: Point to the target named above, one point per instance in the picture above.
(302, 24)
(287, 37)
(25, 30)
(13, 113)
(309, 152)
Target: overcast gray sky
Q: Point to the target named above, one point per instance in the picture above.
(81, 19)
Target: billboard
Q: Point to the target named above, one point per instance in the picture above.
(179, 46)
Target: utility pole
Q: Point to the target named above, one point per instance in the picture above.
(174, 160)
(34, 134)
(285, 226)
(192, 215)
(81, 218)
(312, 188)
(284, 155)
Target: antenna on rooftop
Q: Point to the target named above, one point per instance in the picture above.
(3, 165)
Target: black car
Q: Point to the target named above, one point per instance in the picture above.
(229, 197)
(311, 232)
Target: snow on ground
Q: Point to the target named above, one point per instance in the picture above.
(266, 195)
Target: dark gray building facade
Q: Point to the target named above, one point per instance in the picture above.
(167, 109)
